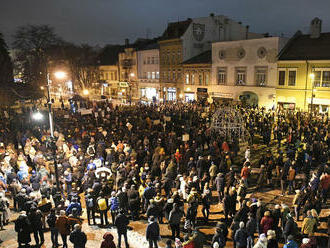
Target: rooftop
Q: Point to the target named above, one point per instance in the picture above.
(176, 29)
(202, 58)
(303, 47)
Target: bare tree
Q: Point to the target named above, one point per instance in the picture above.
(31, 43)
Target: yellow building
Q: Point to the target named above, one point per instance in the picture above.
(304, 71)
(109, 76)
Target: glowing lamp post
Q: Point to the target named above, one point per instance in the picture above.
(37, 116)
(58, 75)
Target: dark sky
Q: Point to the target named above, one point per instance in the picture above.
(99, 22)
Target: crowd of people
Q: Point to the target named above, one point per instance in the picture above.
(162, 163)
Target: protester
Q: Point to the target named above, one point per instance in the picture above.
(78, 237)
(108, 241)
(152, 232)
(121, 223)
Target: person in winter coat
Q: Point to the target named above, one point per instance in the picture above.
(271, 237)
(90, 207)
(266, 222)
(102, 203)
(220, 184)
(290, 243)
(62, 225)
(309, 224)
(174, 221)
(241, 236)
(152, 232)
(114, 206)
(262, 242)
(23, 229)
(219, 237)
(251, 227)
(289, 227)
(77, 237)
(121, 222)
(168, 207)
(134, 202)
(35, 217)
(108, 241)
(51, 221)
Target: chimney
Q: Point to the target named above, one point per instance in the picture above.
(126, 42)
(315, 28)
(212, 14)
(247, 32)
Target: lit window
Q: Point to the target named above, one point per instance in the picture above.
(200, 79)
(207, 77)
(222, 75)
(326, 79)
(157, 74)
(149, 75)
(192, 78)
(187, 78)
(240, 76)
(153, 75)
(317, 78)
(261, 76)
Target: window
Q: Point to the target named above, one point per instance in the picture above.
(152, 60)
(156, 60)
(317, 78)
(200, 79)
(148, 60)
(115, 75)
(261, 76)
(207, 77)
(149, 75)
(187, 78)
(145, 75)
(292, 78)
(179, 74)
(281, 77)
(326, 79)
(153, 75)
(192, 78)
(169, 75)
(111, 75)
(157, 74)
(241, 76)
(222, 75)
(174, 75)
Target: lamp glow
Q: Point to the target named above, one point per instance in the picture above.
(85, 92)
(60, 74)
(312, 76)
(132, 74)
(37, 116)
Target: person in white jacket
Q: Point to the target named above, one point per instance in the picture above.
(262, 242)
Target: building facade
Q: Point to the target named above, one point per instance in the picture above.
(109, 76)
(304, 71)
(184, 40)
(246, 70)
(128, 84)
(197, 77)
(148, 73)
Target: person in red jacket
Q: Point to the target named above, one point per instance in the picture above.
(189, 242)
(245, 172)
(266, 222)
(108, 241)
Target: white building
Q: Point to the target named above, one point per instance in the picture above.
(246, 70)
(148, 72)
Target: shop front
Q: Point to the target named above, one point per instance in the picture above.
(171, 94)
(202, 94)
(320, 105)
(149, 94)
(189, 96)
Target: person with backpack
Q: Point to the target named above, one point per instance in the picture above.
(51, 221)
(102, 203)
(114, 206)
(90, 207)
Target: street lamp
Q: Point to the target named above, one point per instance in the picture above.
(58, 75)
(312, 76)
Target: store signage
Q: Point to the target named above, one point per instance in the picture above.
(202, 90)
(123, 84)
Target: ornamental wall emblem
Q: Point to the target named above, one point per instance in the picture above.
(241, 53)
(262, 52)
(198, 31)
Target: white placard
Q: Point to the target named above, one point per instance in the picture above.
(185, 137)
(86, 112)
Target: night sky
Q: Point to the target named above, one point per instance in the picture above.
(100, 22)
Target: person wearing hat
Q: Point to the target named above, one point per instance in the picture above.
(23, 229)
(152, 232)
(108, 241)
(78, 237)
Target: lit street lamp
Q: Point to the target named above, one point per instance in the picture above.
(58, 75)
(37, 116)
(85, 92)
